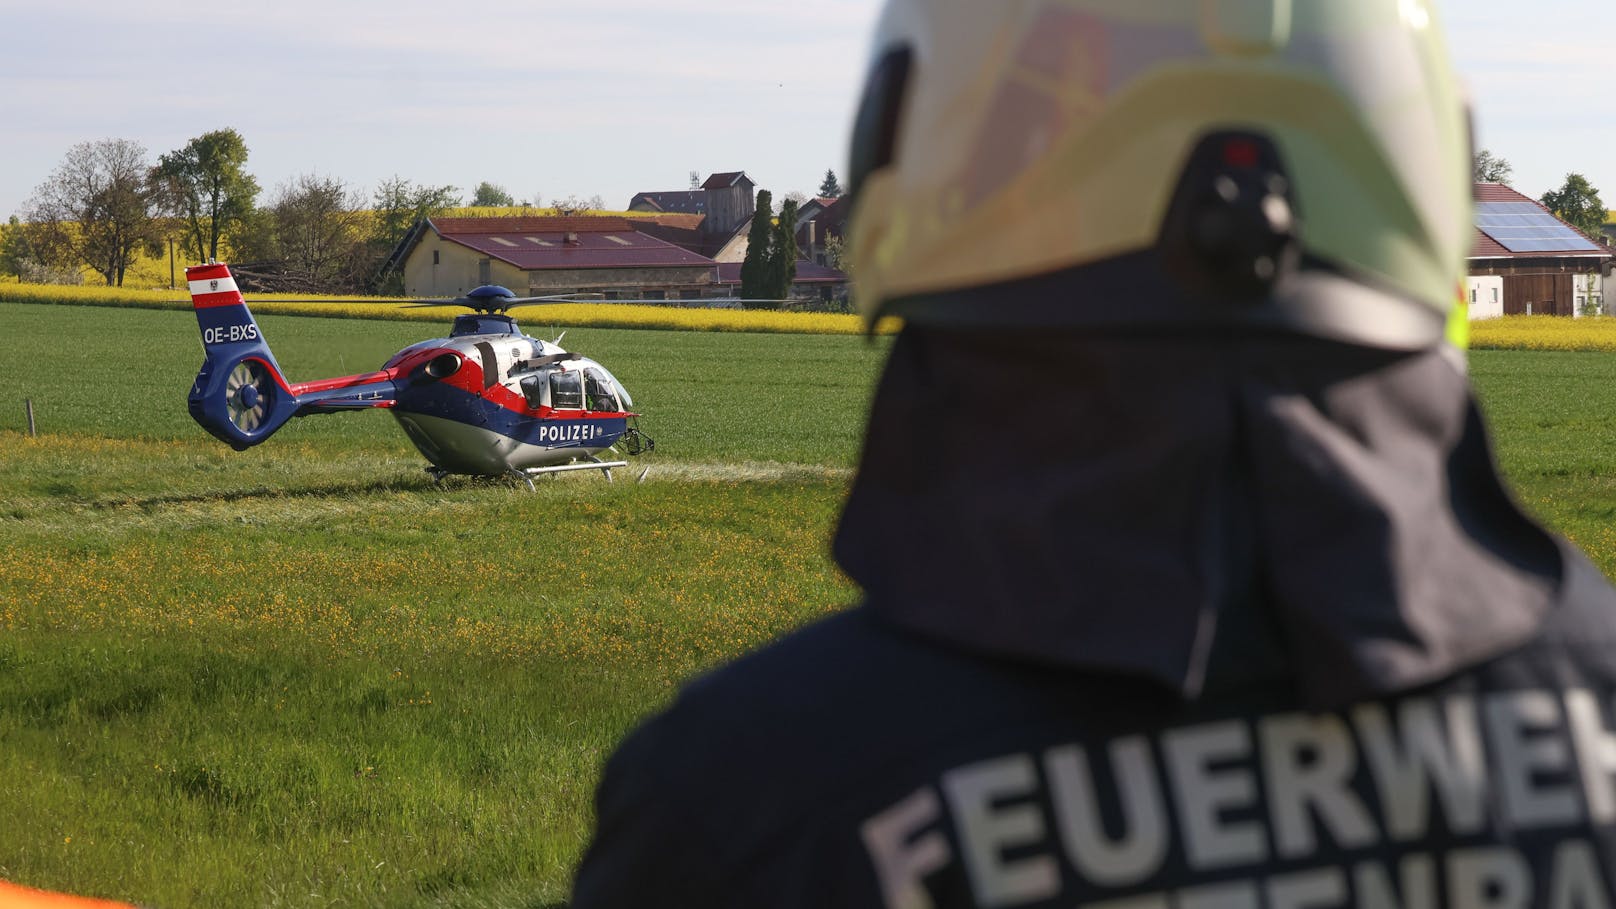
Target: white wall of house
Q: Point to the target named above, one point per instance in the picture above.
(1486, 296)
(1587, 295)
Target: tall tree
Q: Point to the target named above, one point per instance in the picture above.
(490, 195)
(755, 267)
(399, 204)
(97, 208)
(831, 188)
(783, 253)
(207, 184)
(1577, 203)
(1491, 169)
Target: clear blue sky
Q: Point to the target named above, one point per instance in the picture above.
(606, 98)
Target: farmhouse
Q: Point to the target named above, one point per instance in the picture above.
(541, 256)
(818, 222)
(724, 204)
(1525, 261)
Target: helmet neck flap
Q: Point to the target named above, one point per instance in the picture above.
(1112, 501)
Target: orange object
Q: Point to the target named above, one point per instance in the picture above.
(13, 896)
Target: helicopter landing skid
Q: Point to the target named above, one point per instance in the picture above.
(528, 474)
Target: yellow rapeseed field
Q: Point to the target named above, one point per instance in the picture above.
(1543, 333)
(593, 315)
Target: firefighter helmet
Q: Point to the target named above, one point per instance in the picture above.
(1295, 163)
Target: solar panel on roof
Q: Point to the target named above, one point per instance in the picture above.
(1524, 227)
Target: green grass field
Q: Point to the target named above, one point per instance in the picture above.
(303, 675)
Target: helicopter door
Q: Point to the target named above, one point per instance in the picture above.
(599, 395)
(567, 390)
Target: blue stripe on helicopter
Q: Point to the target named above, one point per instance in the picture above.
(446, 402)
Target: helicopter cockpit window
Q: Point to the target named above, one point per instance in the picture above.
(533, 388)
(566, 391)
(598, 392)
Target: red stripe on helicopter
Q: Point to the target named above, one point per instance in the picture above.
(223, 298)
(470, 380)
(270, 368)
(303, 388)
(206, 272)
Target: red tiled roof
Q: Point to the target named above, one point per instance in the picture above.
(1485, 247)
(535, 244)
(807, 273)
(1498, 192)
(725, 180)
(474, 226)
(682, 221)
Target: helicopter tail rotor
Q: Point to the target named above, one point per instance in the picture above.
(239, 395)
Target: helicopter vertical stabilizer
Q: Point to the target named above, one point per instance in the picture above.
(240, 395)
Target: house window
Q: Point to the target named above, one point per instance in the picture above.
(434, 257)
(1472, 295)
(1495, 295)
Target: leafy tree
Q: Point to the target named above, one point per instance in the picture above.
(1577, 203)
(206, 184)
(489, 195)
(1491, 169)
(318, 230)
(399, 204)
(755, 280)
(96, 209)
(15, 250)
(831, 188)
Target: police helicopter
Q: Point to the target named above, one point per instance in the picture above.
(486, 401)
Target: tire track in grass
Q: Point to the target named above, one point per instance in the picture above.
(388, 492)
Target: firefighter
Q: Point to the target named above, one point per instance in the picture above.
(1234, 612)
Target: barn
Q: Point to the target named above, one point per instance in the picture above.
(1525, 261)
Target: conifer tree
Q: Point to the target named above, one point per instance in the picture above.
(755, 282)
(783, 253)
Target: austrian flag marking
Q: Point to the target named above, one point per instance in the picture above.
(209, 292)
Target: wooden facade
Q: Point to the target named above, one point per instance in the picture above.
(731, 200)
(1539, 285)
